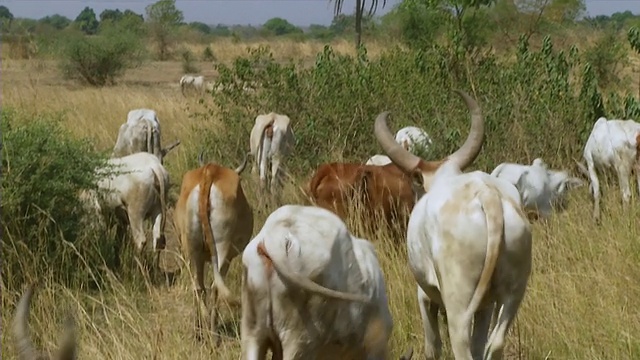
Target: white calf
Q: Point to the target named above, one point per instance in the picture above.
(612, 145)
(413, 139)
(540, 188)
(193, 82)
(311, 290)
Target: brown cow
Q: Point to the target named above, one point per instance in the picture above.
(213, 227)
(24, 346)
(387, 188)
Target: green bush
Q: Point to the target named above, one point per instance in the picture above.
(544, 102)
(188, 62)
(207, 54)
(100, 60)
(44, 170)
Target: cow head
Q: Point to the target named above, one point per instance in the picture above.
(410, 163)
(24, 346)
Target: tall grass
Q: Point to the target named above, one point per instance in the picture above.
(583, 294)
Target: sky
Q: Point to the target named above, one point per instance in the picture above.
(244, 12)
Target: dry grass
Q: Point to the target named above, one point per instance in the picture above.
(581, 303)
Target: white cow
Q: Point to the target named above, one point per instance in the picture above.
(469, 246)
(311, 290)
(413, 139)
(141, 133)
(135, 188)
(196, 83)
(612, 145)
(378, 160)
(541, 189)
(271, 141)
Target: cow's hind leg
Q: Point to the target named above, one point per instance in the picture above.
(200, 298)
(595, 190)
(432, 340)
(506, 315)
(481, 323)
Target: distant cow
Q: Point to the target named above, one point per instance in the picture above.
(22, 339)
(271, 142)
(540, 188)
(141, 133)
(214, 223)
(193, 82)
(612, 145)
(413, 139)
(135, 191)
(311, 290)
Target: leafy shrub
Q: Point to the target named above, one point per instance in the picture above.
(188, 62)
(544, 102)
(44, 170)
(100, 60)
(608, 57)
(207, 54)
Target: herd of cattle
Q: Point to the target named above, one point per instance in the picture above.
(468, 235)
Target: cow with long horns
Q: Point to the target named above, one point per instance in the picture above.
(469, 245)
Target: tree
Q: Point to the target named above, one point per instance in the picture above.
(5, 17)
(360, 6)
(57, 21)
(163, 18)
(200, 26)
(279, 26)
(87, 21)
(111, 15)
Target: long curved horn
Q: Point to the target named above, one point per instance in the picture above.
(240, 168)
(21, 327)
(399, 155)
(468, 152)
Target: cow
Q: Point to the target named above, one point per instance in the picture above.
(612, 145)
(339, 186)
(271, 142)
(378, 160)
(311, 290)
(413, 139)
(541, 189)
(469, 245)
(193, 82)
(22, 339)
(214, 223)
(141, 133)
(135, 188)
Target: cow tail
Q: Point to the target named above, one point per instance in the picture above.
(163, 202)
(494, 213)
(204, 207)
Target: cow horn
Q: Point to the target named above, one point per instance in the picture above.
(468, 152)
(240, 168)
(21, 327)
(401, 157)
(170, 147)
(24, 345)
